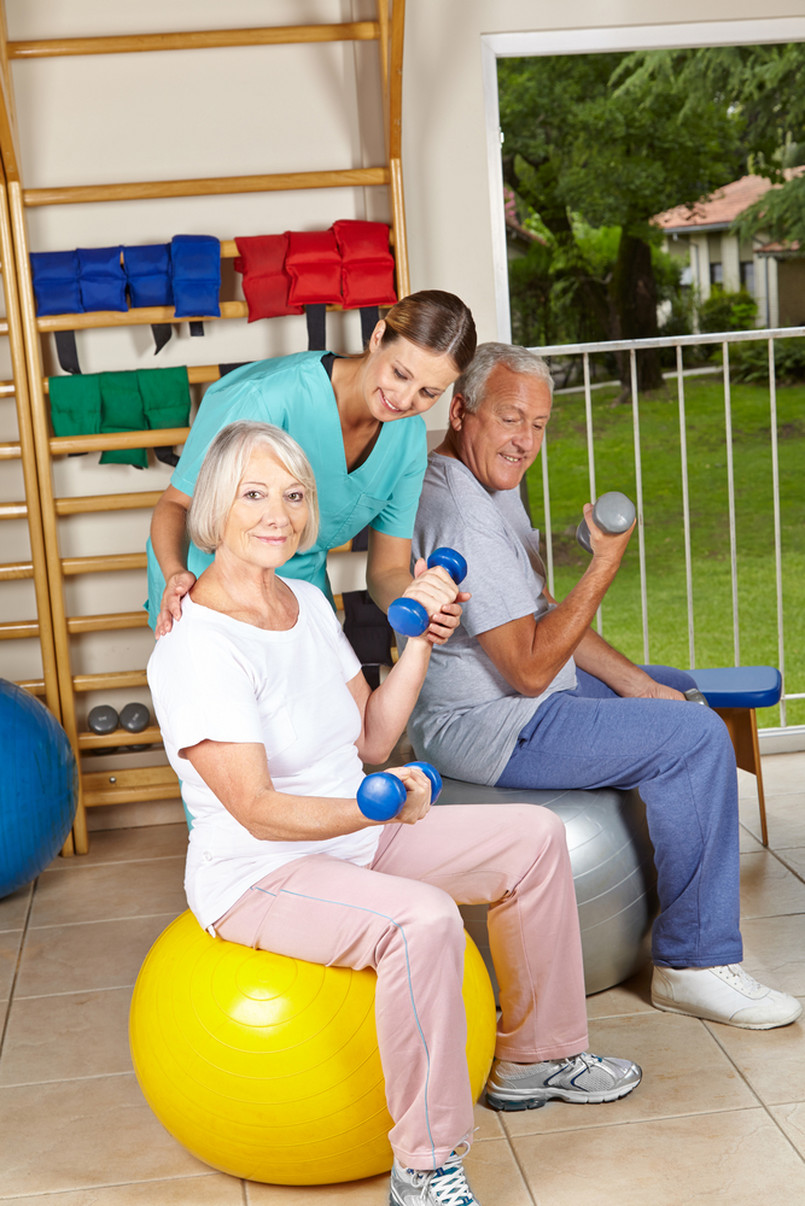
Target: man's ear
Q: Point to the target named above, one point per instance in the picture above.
(457, 412)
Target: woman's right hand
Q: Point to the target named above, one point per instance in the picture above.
(170, 608)
(417, 794)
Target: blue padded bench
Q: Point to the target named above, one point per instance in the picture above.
(735, 692)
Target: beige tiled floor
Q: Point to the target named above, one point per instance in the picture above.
(719, 1117)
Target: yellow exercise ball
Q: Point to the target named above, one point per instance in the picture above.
(267, 1067)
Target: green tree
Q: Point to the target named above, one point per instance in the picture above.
(585, 136)
(762, 85)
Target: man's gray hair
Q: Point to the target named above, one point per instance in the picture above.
(223, 468)
(472, 383)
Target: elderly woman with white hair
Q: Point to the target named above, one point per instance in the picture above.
(267, 719)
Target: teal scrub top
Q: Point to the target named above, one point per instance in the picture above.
(295, 393)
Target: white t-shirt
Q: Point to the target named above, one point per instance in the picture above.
(219, 679)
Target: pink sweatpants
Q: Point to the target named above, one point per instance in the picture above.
(400, 917)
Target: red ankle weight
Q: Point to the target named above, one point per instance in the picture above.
(266, 284)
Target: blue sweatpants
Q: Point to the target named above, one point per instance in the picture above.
(680, 758)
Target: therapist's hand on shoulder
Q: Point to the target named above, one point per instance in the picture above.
(441, 598)
(170, 608)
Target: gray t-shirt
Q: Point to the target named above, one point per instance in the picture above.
(468, 716)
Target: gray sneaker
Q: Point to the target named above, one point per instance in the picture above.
(447, 1186)
(580, 1078)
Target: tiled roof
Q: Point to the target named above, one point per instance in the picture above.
(721, 208)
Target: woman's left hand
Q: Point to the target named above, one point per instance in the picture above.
(441, 598)
(445, 622)
(417, 794)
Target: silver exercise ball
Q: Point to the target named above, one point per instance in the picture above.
(613, 874)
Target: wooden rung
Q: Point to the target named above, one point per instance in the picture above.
(280, 35)
(138, 317)
(7, 389)
(63, 445)
(10, 452)
(111, 681)
(35, 686)
(13, 571)
(17, 630)
(100, 741)
(107, 563)
(78, 625)
(127, 786)
(92, 503)
(13, 510)
(150, 190)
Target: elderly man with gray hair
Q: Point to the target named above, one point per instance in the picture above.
(527, 695)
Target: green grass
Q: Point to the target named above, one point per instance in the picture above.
(664, 541)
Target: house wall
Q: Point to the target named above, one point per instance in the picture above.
(731, 262)
(772, 277)
(700, 261)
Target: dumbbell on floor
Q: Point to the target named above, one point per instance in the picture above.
(381, 795)
(613, 512)
(408, 616)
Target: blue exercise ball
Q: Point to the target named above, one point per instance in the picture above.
(38, 787)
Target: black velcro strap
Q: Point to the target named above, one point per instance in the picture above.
(162, 332)
(166, 455)
(370, 317)
(67, 351)
(196, 328)
(316, 316)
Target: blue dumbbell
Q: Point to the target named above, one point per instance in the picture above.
(381, 795)
(613, 512)
(409, 616)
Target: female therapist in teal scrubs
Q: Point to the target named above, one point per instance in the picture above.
(346, 412)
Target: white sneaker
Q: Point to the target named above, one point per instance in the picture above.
(447, 1186)
(722, 994)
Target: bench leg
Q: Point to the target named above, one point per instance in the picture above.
(742, 726)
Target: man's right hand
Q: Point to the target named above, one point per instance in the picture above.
(170, 608)
(606, 544)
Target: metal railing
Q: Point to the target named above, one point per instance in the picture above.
(565, 353)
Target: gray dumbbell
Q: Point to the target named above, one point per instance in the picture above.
(134, 718)
(695, 696)
(613, 512)
(103, 719)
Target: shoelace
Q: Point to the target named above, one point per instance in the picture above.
(741, 979)
(448, 1185)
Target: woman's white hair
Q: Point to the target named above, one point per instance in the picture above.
(222, 471)
(472, 382)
